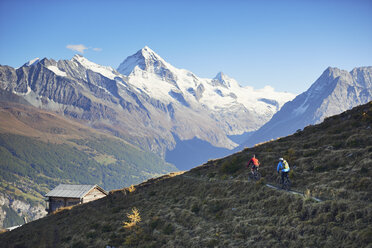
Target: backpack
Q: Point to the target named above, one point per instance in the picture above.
(286, 165)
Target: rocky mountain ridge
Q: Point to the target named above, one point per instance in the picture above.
(333, 92)
(146, 101)
(18, 210)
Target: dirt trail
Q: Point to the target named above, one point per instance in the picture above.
(293, 192)
(248, 181)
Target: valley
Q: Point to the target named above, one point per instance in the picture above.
(40, 150)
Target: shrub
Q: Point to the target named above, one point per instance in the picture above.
(131, 240)
(320, 168)
(195, 208)
(116, 240)
(231, 166)
(134, 218)
(107, 228)
(131, 188)
(260, 182)
(366, 235)
(311, 153)
(212, 243)
(168, 229)
(333, 165)
(338, 145)
(66, 239)
(363, 184)
(116, 210)
(363, 170)
(224, 177)
(290, 155)
(95, 226)
(211, 175)
(79, 244)
(155, 222)
(91, 235)
(215, 207)
(136, 236)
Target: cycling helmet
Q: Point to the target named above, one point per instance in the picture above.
(281, 159)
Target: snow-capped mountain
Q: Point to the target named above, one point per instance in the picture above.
(33, 61)
(335, 91)
(146, 100)
(236, 109)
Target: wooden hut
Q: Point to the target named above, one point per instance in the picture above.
(65, 195)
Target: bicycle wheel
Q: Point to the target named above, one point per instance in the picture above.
(287, 184)
(250, 176)
(279, 182)
(257, 175)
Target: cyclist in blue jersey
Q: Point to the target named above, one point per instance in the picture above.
(283, 167)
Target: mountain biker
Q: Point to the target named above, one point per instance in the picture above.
(283, 167)
(254, 162)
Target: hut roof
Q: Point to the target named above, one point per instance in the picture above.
(72, 191)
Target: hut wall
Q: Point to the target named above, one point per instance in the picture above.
(59, 202)
(94, 194)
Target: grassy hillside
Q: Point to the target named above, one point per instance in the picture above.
(39, 150)
(214, 205)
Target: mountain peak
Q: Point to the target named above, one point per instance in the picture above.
(327, 80)
(224, 80)
(145, 59)
(149, 55)
(79, 58)
(220, 76)
(147, 49)
(32, 62)
(106, 71)
(334, 72)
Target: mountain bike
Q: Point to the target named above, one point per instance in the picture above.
(256, 175)
(286, 184)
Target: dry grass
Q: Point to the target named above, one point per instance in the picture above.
(63, 209)
(214, 205)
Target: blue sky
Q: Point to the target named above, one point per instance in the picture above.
(285, 44)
